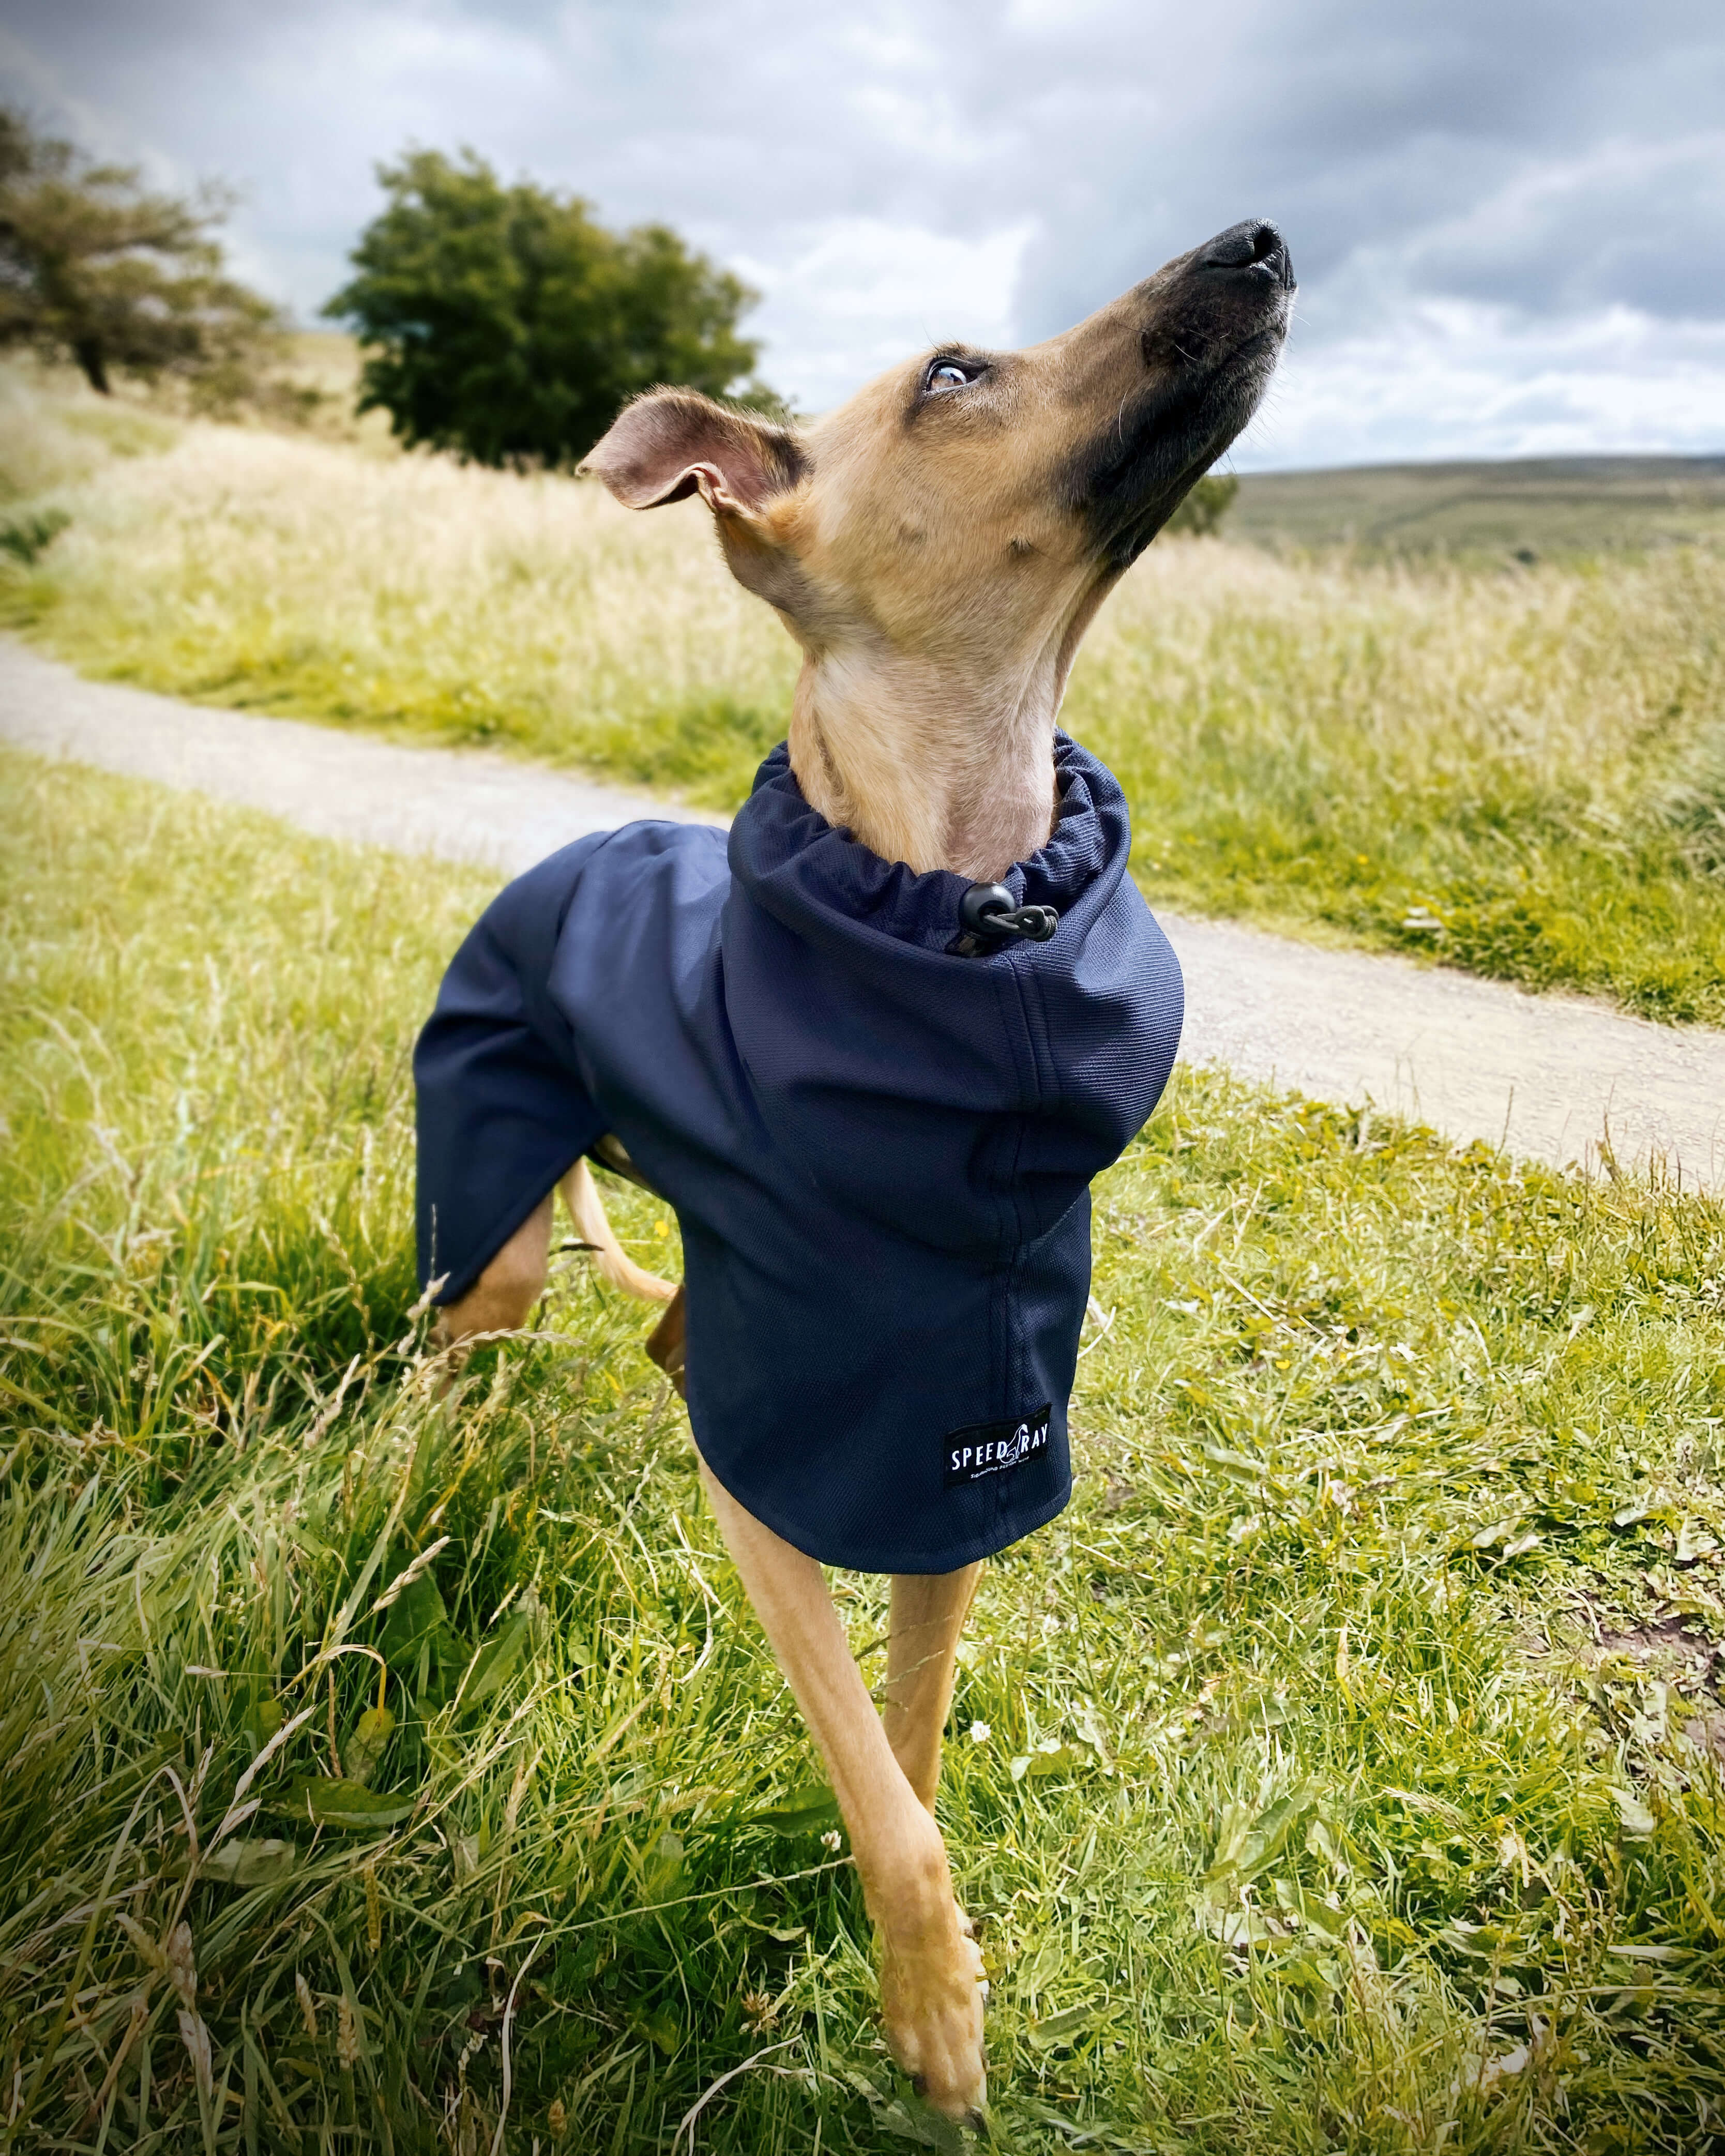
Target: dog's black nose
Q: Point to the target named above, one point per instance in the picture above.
(1254, 246)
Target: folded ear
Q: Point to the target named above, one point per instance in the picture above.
(672, 441)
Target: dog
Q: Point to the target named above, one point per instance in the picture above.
(885, 1038)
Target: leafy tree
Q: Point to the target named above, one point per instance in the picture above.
(505, 323)
(1202, 511)
(95, 268)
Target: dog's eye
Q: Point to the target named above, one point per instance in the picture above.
(948, 374)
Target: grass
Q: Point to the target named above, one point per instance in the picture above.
(1522, 773)
(1516, 770)
(1341, 1772)
(1514, 509)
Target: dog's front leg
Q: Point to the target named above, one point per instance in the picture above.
(928, 1613)
(930, 1977)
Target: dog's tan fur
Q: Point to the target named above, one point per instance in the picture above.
(938, 552)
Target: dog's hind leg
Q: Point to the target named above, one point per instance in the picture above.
(928, 1613)
(501, 1299)
(588, 1211)
(931, 1973)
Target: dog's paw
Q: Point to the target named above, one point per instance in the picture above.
(932, 1992)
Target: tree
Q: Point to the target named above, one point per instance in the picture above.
(1202, 511)
(505, 323)
(95, 268)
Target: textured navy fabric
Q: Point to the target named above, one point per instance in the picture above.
(879, 1152)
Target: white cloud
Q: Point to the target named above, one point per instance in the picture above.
(858, 294)
(1459, 379)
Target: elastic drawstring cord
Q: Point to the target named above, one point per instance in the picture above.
(988, 918)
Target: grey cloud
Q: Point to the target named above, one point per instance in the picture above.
(1128, 132)
(1390, 132)
(1633, 226)
(1547, 159)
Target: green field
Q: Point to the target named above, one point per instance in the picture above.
(1516, 769)
(1516, 509)
(1340, 1773)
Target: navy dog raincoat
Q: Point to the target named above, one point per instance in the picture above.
(878, 1152)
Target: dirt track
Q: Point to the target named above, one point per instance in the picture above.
(1547, 1075)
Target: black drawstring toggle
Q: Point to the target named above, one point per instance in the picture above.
(989, 917)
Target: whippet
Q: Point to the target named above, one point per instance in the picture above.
(885, 1042)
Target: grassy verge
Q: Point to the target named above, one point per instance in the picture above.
(1522, 773)
(1518, 771)
(1340, 1771)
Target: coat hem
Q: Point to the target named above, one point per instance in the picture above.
(510, 1218)
(980, 1546)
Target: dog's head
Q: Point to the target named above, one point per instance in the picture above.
(972, 506)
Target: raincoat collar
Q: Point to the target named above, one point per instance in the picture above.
(823, 885)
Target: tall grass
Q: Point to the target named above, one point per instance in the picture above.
(52, 435)
(280, 573)
(1339, 1772)
(1520, 771)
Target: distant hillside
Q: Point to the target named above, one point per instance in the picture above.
(1534, 506)
(328, 360)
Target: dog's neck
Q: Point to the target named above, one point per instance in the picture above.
(924, 767)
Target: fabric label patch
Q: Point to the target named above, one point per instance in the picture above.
(995, 1447)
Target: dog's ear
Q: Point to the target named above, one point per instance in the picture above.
(670, 442)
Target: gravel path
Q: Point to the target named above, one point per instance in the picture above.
(1548, 1075)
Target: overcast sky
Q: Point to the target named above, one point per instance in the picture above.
(1507, 216)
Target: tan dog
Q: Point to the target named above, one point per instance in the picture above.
(937, 547)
